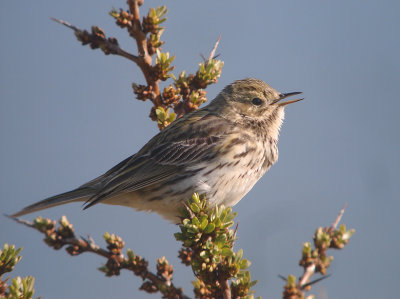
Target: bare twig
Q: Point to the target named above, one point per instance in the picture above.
(282, 277)
(191, 214)
(226, 290)
(85, 245)
(116, 260)
(305, 278)
(316, 260)
(316, 280)
(234, 234)
(212, 53)
(145, 61)
(110, 44)
(310, 270)
(338, 218)
(236, 229)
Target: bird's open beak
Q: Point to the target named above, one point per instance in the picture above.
(284, 96)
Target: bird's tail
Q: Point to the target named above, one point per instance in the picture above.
(80, 194)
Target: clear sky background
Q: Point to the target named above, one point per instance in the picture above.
(67, 114)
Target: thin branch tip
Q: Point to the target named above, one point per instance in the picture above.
(21, 221)
(212, 53)
(69, 25)
(282, 277)
(316, 280)
(339, 217)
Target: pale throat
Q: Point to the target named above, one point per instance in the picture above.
(268, 128)
(276, 123)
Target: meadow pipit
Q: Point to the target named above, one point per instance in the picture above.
(221, 151)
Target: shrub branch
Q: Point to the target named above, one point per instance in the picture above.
(97, 39)
(64, 235)
(188, 90)
(316, 260)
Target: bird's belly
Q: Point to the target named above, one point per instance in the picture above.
(229, 185)
(223, 182)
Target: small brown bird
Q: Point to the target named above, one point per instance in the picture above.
(221, 151)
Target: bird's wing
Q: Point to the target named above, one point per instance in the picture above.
(169, 154)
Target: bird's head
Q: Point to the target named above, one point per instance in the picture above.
(252, 102)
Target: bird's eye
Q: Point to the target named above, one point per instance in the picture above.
(256, 101)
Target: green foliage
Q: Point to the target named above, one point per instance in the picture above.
(9, 258)
(114, 243)
(162, 68)
(208, 247)
(341, 236)
(164, 117)
(21, 288)
(154, 18)
(209, 72)
(197, 97)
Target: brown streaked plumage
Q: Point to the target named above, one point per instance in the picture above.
(221, 150)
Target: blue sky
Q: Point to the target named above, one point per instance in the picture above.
(67, 114)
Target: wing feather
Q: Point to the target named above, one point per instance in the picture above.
(167, 155)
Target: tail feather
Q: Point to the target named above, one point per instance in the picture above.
(80, 194)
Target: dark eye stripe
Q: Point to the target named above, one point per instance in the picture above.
(256, 101)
